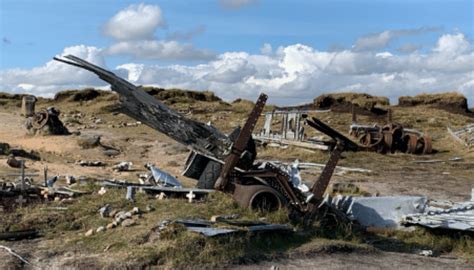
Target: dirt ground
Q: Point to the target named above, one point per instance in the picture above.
(392, 175)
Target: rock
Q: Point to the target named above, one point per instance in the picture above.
(128, 223)
(88, 141)
(111, 152)
(13, 162)
(100, 229)
(89, 232)
(111, 226)
(119, 213)
(113, 213)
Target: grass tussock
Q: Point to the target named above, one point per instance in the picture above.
(450, 101)
(362, 100)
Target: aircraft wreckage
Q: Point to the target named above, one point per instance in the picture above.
(227, 162)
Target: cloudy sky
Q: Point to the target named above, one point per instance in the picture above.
(293, 50)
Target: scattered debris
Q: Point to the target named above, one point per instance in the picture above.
(104, 211)
(209, 229)
(464, 135)
(459, 216)
(123, 166)
(28, 103)
(391, 137)
(426, 253)
(380, 212)
(160, 191)
(226, 163)
(291, 131)
(46, 122)
(162, 178)
(102, 191)
(90, 163)
(454, 159)
(130, 193)
(70, 179)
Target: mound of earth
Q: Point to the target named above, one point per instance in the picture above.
(81, 95)
(451, 101)
(172, 96)
(343, 102)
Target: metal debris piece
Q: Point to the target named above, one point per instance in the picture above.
(464, 135)
(291, 130)
(205, 228)
(104, 211)
(90, 163)
(390, 137)
(459, 216)
(50, 182)
(130, 193)
(162, 178)
(380, 212)
(46, 122)
(122, 166)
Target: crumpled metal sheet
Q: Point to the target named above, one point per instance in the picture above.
(163, 177)
(459, 216)
(381, 212)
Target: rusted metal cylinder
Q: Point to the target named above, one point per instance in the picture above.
(28, 106)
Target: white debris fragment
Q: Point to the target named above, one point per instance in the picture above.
(102, 191)
(123, 166)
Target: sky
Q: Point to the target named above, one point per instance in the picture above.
(291, 50)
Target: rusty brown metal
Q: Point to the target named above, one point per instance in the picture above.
(40, 119)
(320, 186)
(390, 138)
(412, 143)
(240, 143)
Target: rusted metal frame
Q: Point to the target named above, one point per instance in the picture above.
(283, 180)
(238, 147)
(258, 173)
(347, 143)
(321, 184)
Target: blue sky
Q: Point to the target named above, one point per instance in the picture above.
(33, 32)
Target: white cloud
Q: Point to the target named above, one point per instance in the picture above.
(295, 73)
(134, 28)
(266, 49)
(157, 49)
(236, 4)
(381, 40)
(53, 76)
(134, 22)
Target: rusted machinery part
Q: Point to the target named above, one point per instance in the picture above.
(424, 145)
(387, 142)
(411, 141)
(258, 197)
(372, 140)
(40, 119)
